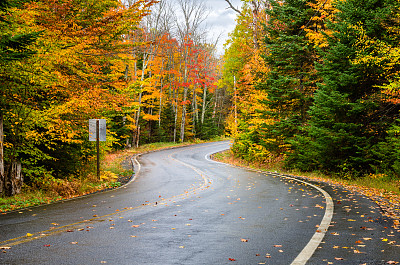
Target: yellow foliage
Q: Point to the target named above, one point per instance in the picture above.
(108, 176)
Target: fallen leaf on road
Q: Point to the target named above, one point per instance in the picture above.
(29, 234)
(232, 259)
(74, 243)
(135, 225)
(244, 240)
(48, 245)
(339, 259)
(277, 246)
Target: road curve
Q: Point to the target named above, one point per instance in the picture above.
(182, 208)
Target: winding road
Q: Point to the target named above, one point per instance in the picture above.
(183, 208)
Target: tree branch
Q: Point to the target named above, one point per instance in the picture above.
(233, 8)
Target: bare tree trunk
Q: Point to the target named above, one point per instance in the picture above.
(175, 109)
(144, 66)
(256, 8)
(161, 94)
(215, 103)
(13, 179)
(235, 95)
(203, 110)
(195, 113)
(183, 121)
(185, 91)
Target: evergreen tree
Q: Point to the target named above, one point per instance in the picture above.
(347, 118)
(291, 80)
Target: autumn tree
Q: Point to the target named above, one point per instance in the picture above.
(74, 75)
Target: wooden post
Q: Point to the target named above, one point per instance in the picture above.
(2, 177)
(98, 147)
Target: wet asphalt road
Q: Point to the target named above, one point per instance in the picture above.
(184, 209)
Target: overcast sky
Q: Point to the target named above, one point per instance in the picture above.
(221, 20)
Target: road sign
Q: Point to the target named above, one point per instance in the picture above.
(102, 130)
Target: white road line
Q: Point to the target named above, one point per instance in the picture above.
(316, 239)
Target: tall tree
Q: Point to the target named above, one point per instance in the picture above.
(291, 79)
(349, 115)
(15, 42)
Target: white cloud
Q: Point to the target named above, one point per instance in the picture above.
(220, 21)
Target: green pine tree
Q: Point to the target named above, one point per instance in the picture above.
(348, 117)
(291, 80)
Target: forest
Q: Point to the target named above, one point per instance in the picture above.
(144, 66)
(317, 86)
(307, 85)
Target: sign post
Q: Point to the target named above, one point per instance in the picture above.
(97, 132)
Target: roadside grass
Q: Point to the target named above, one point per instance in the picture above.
(53, 190)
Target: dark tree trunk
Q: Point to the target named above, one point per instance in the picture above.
(13, 179)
